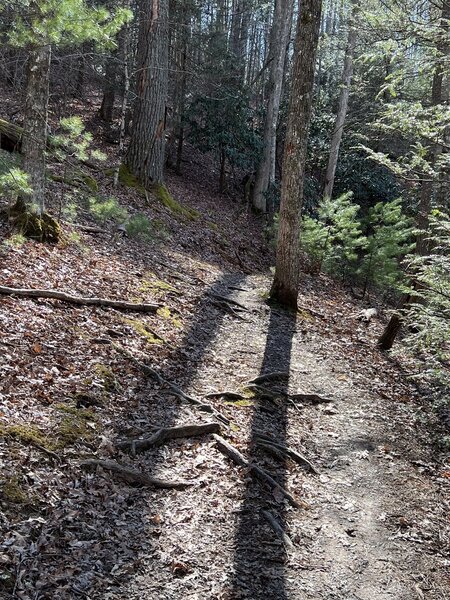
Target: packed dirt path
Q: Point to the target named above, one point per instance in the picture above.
(374, 529)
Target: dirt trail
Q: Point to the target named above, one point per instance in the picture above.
(374, 530)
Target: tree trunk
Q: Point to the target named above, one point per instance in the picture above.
(281, 27)
(285, 284)
(109, 89)
(342, 106)
(145, 156)
(34, 137)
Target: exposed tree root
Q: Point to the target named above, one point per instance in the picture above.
(277, 528)
(280, 451)
(163, 435)
(54, 294)
(130, 475)
(228, 301)
(175, 390)
(312, 398)
(227, 394)
(275, 376)
(233, 453)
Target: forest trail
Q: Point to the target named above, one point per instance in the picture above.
(375, 528)
(375, 518)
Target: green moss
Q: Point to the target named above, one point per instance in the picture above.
(156, 284)
(248, 392)
(242, 403)
(28, 434)
(163, 312)
(163, 195)
(127, 179)
(107, 377)
(74, 426)
(43, 228)
(13, 492)
(82, 413)
(143, 330)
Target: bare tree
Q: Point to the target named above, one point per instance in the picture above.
(338, 130)
(285, 283)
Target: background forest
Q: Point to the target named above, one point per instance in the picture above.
(217, 77)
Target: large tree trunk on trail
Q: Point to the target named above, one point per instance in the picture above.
(281, 27)
(285, 283)
(338, 130)
(34, 138)
(145, 156)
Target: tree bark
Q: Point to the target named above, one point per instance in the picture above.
(145, 156)
(279, 39)
(285, 284)
(34, 138)
(338, 130)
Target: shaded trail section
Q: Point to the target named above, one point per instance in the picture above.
(259, 568)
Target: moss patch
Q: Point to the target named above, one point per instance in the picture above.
(107, 377)
(28, 434)
(12, 491)
(142, 329)
(155, 284)
(163, 195)
(127, 179)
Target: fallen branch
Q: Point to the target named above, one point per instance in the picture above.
(233, 453)
(278, 450)
(277, 528)
(276, 376)
(164, 434)
(175, 390)
(55, 295)
(130, 475)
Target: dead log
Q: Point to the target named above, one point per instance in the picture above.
(233, 453)
(10, 136)
(174, 389)
(278, 450)
(164, 434)
(54, 294)
(277, 528)
(130, 475)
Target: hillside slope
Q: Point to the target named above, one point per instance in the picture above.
(370, 521)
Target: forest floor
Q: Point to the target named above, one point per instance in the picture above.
(373, 517)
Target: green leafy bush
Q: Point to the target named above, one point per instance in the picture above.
(139, 226)
(105, 209)
(389, 240)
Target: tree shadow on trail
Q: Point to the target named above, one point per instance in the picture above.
(259, 560)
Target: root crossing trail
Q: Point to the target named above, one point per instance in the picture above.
(375, 527)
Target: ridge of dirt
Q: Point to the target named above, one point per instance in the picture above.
(377, 527)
